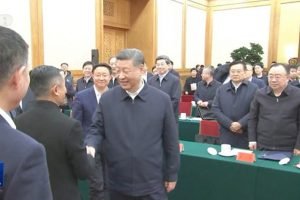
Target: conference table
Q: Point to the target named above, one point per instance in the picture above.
(208, 177)
(188, 128)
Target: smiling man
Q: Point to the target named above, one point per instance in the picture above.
(84, 106)
(135, 124)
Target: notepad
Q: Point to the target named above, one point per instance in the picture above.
(274, 155)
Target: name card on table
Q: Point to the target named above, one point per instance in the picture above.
(245, 157)
(1, 174)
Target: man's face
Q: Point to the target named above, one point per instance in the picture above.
(112, 63)
(129, 76)
(87, 71)
(25, 80)
(161, 66)
(237, 73)
(64, 67)
(298, 72)
(205, 74)
(249, 71)
(61, 91)
(277, 78)
(101, 77)
(293, 73)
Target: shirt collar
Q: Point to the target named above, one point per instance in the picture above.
(286, 90)
(134, 94)
(163, 76)
(7, 118)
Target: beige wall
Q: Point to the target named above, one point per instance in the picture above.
(67, 30)
(289, 29)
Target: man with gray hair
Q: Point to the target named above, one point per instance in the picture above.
(23, 168)
(136, 126)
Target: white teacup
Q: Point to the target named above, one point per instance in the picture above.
(225, 148)
(183, 115)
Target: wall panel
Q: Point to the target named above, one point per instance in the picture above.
(289, 28)
(195, 36)
(69, 31)
(238, 27)
(169, 30)
(18, 19)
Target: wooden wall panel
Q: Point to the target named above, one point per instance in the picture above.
(117, 13)
(114, 40)
(142, 34)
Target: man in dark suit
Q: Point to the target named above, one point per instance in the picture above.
(87, 80)
(60, 134)
(84, 106)
(113, 81)
(25, 172)
(135, 124)
(231, 106)
(167, 82)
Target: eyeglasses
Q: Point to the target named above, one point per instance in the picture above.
(275, 76)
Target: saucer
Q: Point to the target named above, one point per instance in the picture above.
(226, 154)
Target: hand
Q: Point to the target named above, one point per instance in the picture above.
(252, 145)
(199, 103)
(90, 150)
(170, 186)
(204, 104)
(235, 127)
(186, 92)
(297, 152)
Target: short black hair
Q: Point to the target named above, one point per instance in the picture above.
(64, 63)
(105, 65)
(42, 78)
(237, 62)
(13, 53)
(135, 55)
(163, 57)
(193, 69)
(87, 63)
(292, 67)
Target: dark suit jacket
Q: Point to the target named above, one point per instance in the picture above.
(260, 83)
(63, 140)
(84, 106)
(26, 174)
(233, 106)
(113, 84)
(140, 140)
(82, 84)
(170, 85)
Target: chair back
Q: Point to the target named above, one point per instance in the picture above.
(185, 107)
(187, 98)
(209, 128)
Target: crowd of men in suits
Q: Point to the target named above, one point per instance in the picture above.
(123, 134)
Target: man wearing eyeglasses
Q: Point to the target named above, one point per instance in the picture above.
(166, 81)
(275, 114)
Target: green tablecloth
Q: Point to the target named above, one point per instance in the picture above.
(188, 128)
(207, 177)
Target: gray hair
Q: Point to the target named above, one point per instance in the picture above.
(135, 55)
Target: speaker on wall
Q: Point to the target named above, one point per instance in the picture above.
(95, 56)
